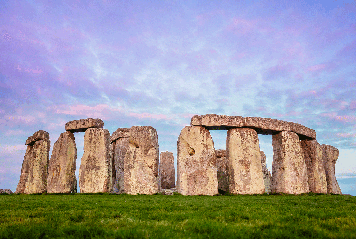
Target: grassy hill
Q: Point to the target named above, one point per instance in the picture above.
(160, 216)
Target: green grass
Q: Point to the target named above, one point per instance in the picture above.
(160, 216)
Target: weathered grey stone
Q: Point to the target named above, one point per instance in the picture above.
(166, 170)
(5, 191)
(61, 168)
(289, 171)
(267, 177)
(222, 164)
(330, 156)
(83, 124)
(245, 169)
(120, 133)
(196, 162)
(95, 169)
(141, 161)
(261, 125)
(34, 170)
(313, 156)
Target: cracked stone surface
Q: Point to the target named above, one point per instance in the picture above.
(166, 170)
(83, 124)
(330, 156)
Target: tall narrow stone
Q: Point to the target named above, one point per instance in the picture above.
(166, 170)
(313, 156)
(196, 162)
(95, 169)
(267, 177)
(34, 170)
(245, 169)
(289, 171)
(330, 156)
(61, 168)
(223, 170)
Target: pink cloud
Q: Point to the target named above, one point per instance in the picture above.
(85, 110)
(346, 135)
(149, 115)
(317, 67)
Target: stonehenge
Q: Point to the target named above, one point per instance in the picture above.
(129, 161)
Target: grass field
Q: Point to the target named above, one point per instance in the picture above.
(160, 216)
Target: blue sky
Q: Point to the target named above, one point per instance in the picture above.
(159, 63)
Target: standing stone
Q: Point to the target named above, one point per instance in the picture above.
(34, 170)
(141, 161)
(196, 162)
(166, 170)
(313, 156)
(245, 169)
(223, 170)
(289, 171)
(95, 169)
(330, 156)
(267, 178)
(61, 169)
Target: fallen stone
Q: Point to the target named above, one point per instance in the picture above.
(222, 164)
(95, 173)
(61, 168)
(289, 171)
(5, 191)
(166, 170)
(170, 191)
(83, 124)
(267, 177)
(245, 169)
(196, 162)
(330, 156)
(313, 156)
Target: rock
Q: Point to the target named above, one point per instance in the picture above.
(61, 169)
(223, 170)
(330, 156)
(261, 125)
(5, 191)
(34, 170)
(166, 170)
(245, 169)
(120, 133)
(289, 171)
(313, 156)
(196, 162)
(267, 177)
(83, 124)
(95, 173)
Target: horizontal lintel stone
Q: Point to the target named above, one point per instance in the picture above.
(83, 124)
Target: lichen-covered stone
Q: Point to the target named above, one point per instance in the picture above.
(330, 156)
(222, 165)
(267, 177)
(95, 173)
(245, 169)
(313, 156)
(196, 162)
(83, 124)
(289, 171)
(61, 168)
(166, 170)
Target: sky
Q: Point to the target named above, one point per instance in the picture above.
(158, 63)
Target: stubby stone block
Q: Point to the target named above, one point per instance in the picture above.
(245, 169)
(267, 177)
(289, 171)
(330, 156)
(196, 162)
(5, 191)
(83, 124)
(34, 170)
(166, 170)
(313, 156)
(223, 170)
(61, 168)
(95, 169)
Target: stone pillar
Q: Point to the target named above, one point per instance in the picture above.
(95, 169)
(330, 156)
(34, 170)
(141, 161)
(313, 156)
(223, 170)
(289, 171)
(267, 177)
(166, 170)
(196, 162)
(245, 169)
(61, 168)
